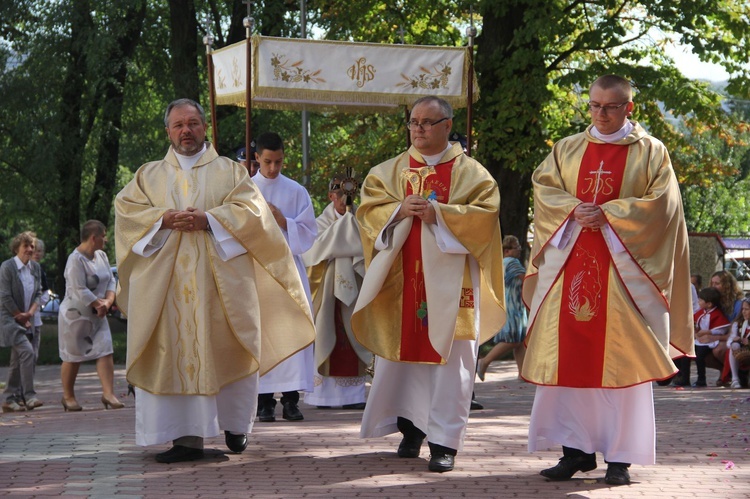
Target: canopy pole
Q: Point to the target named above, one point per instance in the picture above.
(471, 32)
(208, 41)
(248, 22)
(305, 118)
(406, 120)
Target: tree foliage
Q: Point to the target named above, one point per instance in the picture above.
(536, 68)
(85, 83)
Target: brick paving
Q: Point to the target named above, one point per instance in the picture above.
(703, 451)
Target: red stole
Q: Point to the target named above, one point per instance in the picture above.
(415, 341)
(583, 311)
(343, 360)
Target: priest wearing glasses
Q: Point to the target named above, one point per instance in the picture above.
(433, 290)
(608, 286)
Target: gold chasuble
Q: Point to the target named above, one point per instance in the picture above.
(196, 322)
(605, 313)
(416, 299)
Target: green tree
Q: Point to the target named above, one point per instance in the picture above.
(67, 85)
(536, 59)
(536, 65)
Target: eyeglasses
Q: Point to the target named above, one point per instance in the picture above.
(609, 108)
(425, 125)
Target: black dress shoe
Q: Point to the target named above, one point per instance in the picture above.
(291, 412)
(266, 414)
(410, 446)
(617, 474)
(668, 381)
(178, 454)
(699, 383)
(356, 407)
(235, 443)
(475, 406)
(441, 463)
(680, 381)
(569, 466)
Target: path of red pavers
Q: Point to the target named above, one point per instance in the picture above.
(703, 451)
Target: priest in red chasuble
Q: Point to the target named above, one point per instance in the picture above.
(433, 289)
(608, 289)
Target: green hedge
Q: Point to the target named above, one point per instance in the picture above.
(49, 352)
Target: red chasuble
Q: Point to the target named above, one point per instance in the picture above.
(343, 360)
(415, 342)
(583, 311)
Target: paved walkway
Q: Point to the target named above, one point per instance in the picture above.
(703, 451)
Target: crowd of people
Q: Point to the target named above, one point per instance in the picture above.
(235, 292)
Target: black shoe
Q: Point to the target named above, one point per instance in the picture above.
(680, 381)
(178, 454)
(617, 474)
(235, 443)
(355, 407)
(668, 381)
(410, 446)
(699, 383)
(441, 463)
(475, 406)
(569, 466)
(291, 412)
(266, 414)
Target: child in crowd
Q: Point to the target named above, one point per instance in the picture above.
(740, 336)
(709, 321)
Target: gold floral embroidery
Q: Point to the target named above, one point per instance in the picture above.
(293, 73)
(431, 79)
(237, 80)
(343, 282)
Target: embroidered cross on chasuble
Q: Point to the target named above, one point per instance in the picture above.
(583, 311)
(430, 183)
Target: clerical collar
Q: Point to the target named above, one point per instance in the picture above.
(187, 162)
(434, 159)
(613, 137)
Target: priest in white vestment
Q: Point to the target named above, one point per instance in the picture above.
(293, 211)
(203, 271)
(335, 269)
(608, 288)
(433, 290)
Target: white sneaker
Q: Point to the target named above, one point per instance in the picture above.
(735, 384)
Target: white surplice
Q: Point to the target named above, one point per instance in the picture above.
(296, 372)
